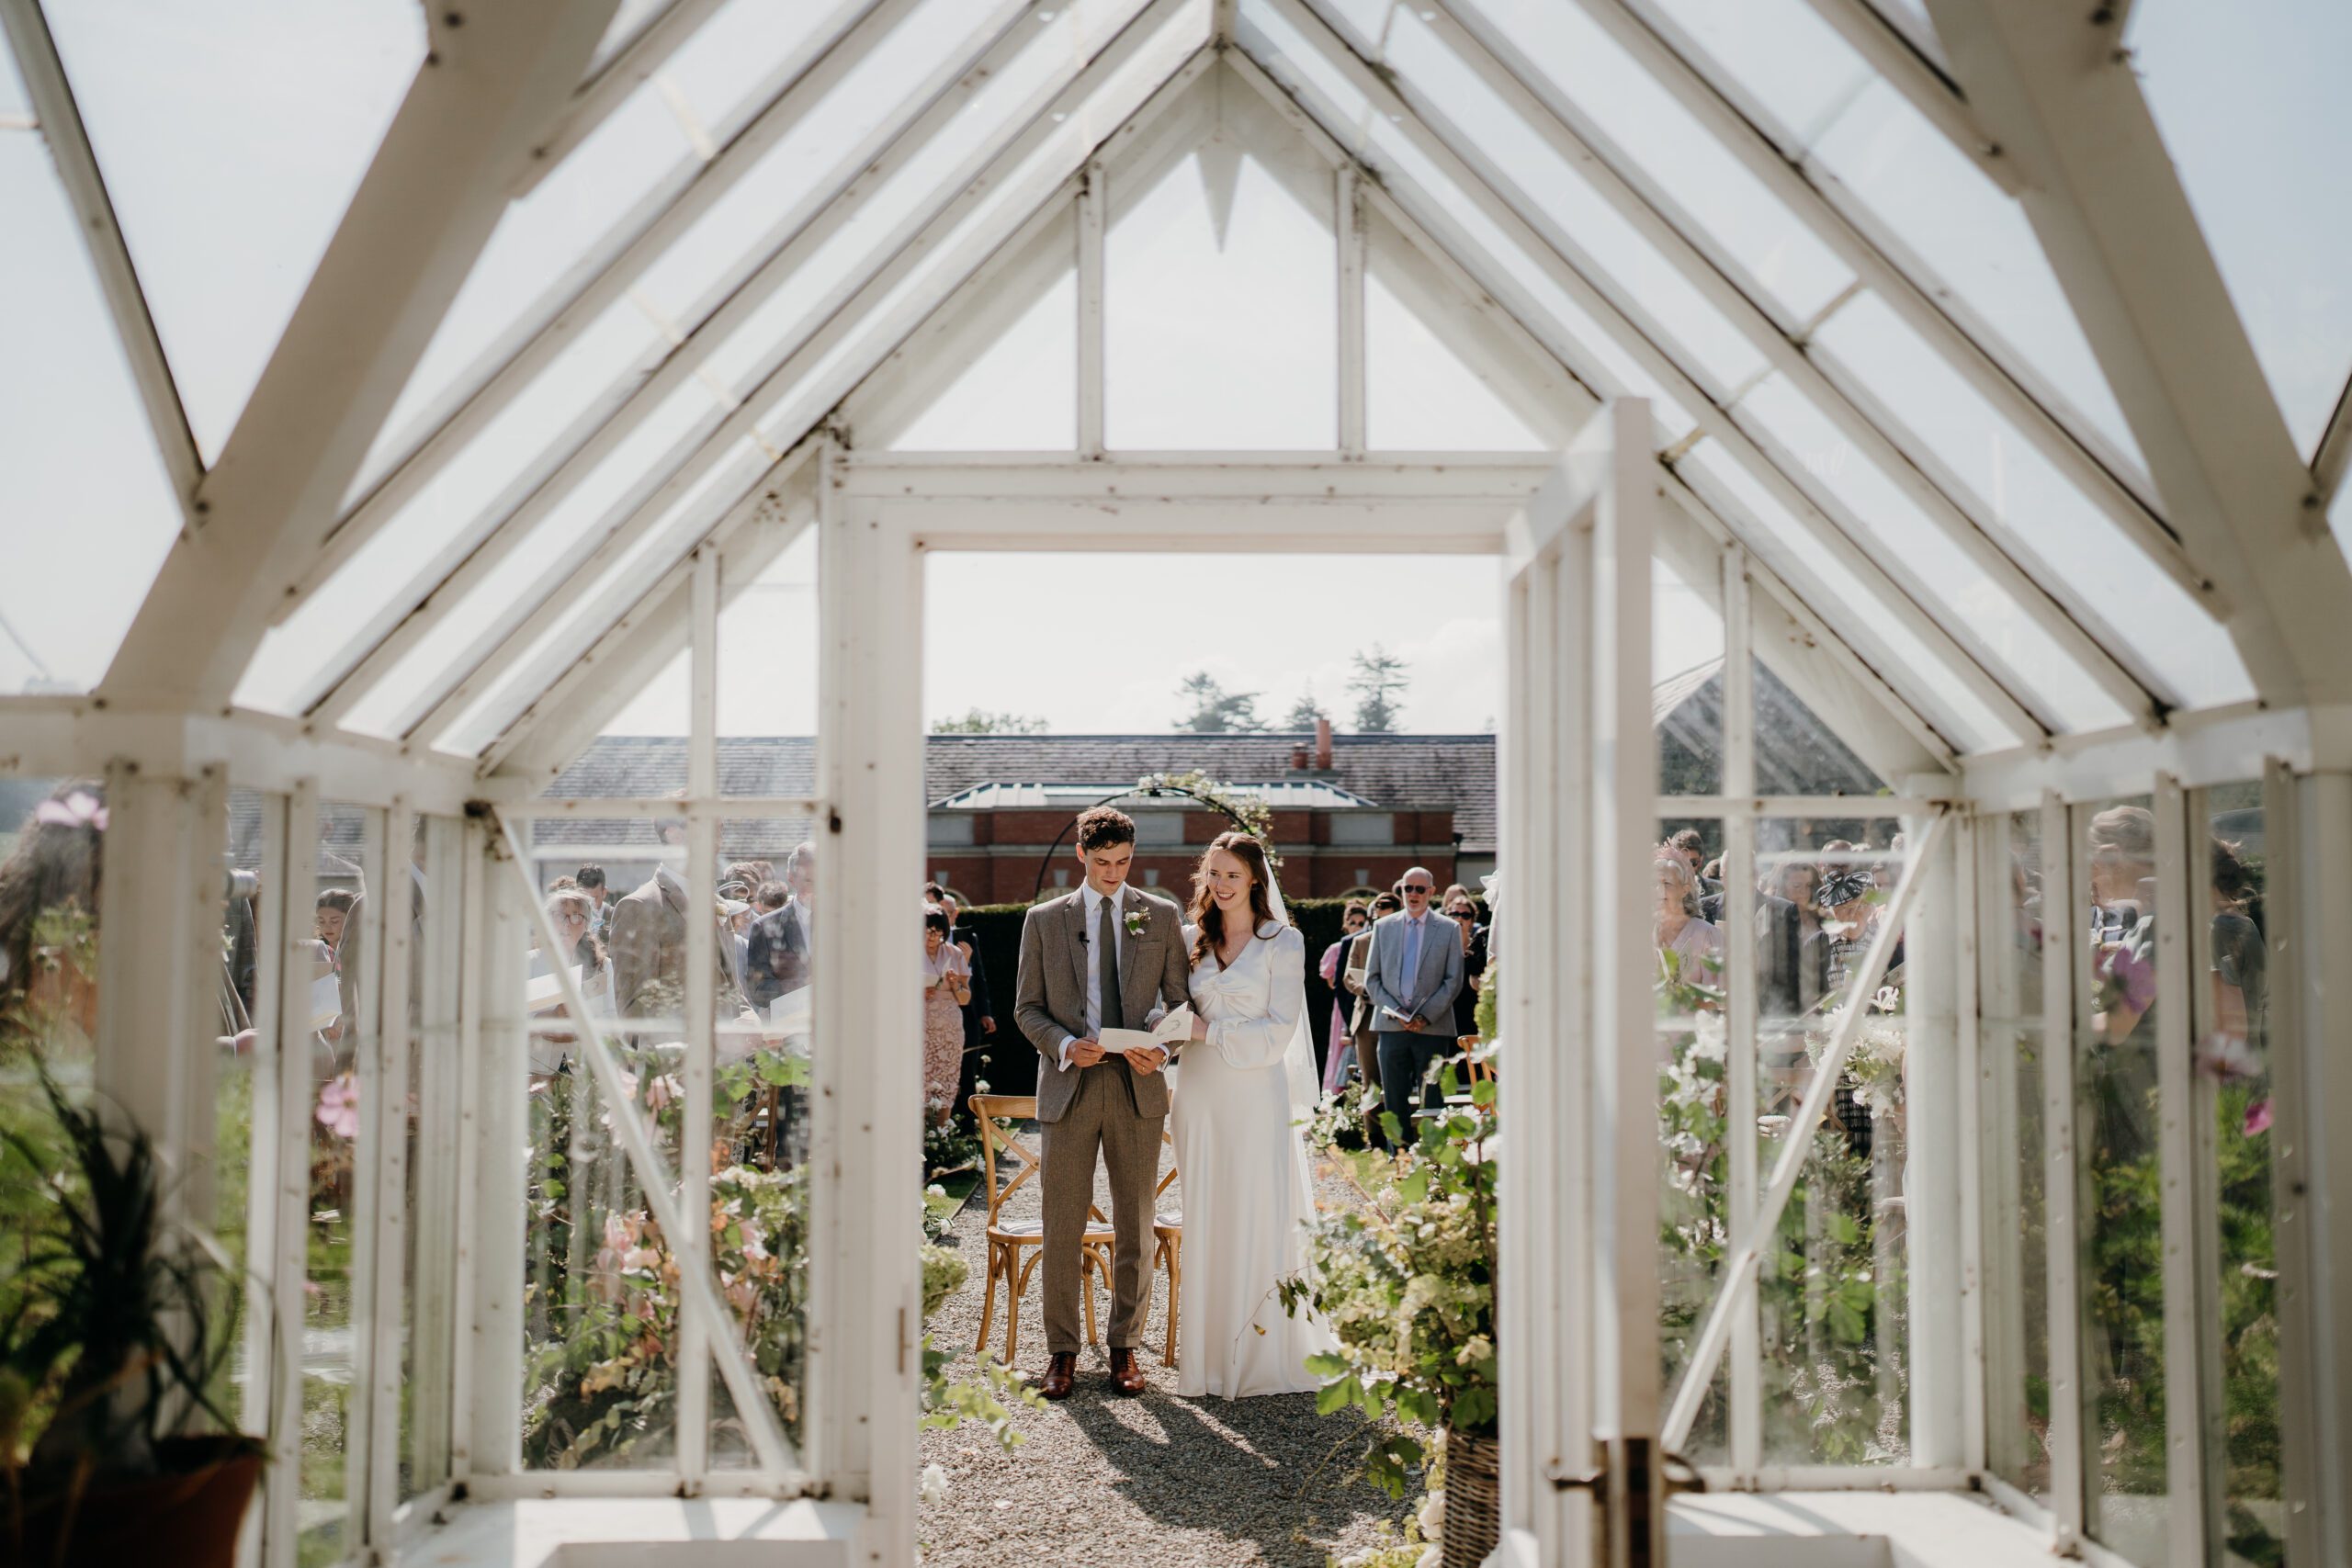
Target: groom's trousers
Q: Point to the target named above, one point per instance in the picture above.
(1102, 1122)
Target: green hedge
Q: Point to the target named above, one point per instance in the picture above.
(1010, 1064)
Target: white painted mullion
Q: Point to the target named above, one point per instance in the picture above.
(2335, 455)
(1972, 832)
(59, 122)
(368, 1192)
(388, 1231)
(440, 1102)
(271, 1111)
(692, 1245)
(2211, 1450)
(2176, 1183)
(1093, 203)
(2062, 905)
(292, 892)
(1739, 912)
(1354, 392)
(470, 1086)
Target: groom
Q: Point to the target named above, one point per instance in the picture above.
(1106, 956)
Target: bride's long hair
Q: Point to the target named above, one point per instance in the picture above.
(1209, 920)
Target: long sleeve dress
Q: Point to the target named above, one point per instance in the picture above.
(1247, 1192)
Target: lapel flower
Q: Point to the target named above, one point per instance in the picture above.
(1136, 921)
(79, 809)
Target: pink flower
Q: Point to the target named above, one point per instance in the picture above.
(2257, 1119)
(79, 809)
(662, 1091)
(338, 1110)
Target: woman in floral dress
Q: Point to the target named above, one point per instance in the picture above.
(946, 987)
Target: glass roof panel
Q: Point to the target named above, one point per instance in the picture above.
(1854, 610)
(87, 510)
(2031, 658)
(1220, 296)
(1421, 394)
(1790, 63)
(1016, 390)
(1648, 125)
(230, 139)
(630, 18)
(447, 510)
(2251, 104)
(2018, 489)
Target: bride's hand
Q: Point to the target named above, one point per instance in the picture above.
(1200, 1027)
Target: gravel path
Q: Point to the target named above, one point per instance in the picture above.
(1158, 1479)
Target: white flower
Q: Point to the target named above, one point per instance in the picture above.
(933, 1485)
(1431, 1557)
(1431, 1518)
(934, 1191)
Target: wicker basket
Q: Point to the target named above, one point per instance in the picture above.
(1473, 1498)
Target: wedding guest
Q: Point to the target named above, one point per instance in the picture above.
(331, 916)
(2240, 967)
(978, 1024)
(590, 879)
(1354, 920)
(1415, 970)
(767, 899)
(777, 950)
(1362, 1038)
(947, 988)
(54, 868)
(1679, 928)
(1464, 912)
(648, 948)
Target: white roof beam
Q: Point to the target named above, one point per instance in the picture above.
(59, 122)
(479, 548)
(1091, 131)
(1894, 56)
(631, 68)
(2108, 206)
(2334, 453)
(1947, 632)
(2067, 614)
(1991, 366)
(603, 276)
(423, 211)
(829, 323)
(1872, 667)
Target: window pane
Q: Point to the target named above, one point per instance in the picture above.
(2254, 117)
(1694, 1126)
(2233, 1086)
(231, 138)
(1686, 689)
(1220, 309)
(2012, 1041)
(1797, 752)
(2119, 1205)
(1010, 385)
(1437, 376)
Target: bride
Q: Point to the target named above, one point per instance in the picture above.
(1248, 1075)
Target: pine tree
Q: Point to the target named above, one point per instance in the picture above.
(1379, 681)
(1304, 713)
(980, 721)
(1217, 711)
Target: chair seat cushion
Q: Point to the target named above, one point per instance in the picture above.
(1036, 1232)
(1174, 1220)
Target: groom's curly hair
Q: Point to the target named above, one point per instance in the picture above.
(1103, 826)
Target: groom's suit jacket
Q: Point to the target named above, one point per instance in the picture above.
(1432, 990)
(1049, 1002)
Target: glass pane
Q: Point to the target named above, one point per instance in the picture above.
(436, 1087)
(341, 1032)
(1220, 307)
(1833, 1287)
(2234, 1087)
(228, 1177)
(1687, 698)
(1010, 385)
(2030, 657)
(1422, 390)
(89, 510)
(2116, 954)
(2012, 1043)
(1869, 623)
(1797, 750)
(230, 140)
(2033, 507)
(1649, 125)
(2266, 181)
(1694, 1193)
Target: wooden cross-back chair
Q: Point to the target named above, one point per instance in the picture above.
(1008, 1242)
(1168, 1253)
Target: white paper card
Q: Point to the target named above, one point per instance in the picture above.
(1177, 1025)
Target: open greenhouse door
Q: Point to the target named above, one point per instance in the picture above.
(1581, 1465)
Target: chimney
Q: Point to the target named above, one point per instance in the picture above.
(1299, 757)
(1322, 744)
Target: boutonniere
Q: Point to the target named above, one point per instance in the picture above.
(1136, 921)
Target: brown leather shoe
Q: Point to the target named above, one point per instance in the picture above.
(1126, 1375)
(1060, 1369)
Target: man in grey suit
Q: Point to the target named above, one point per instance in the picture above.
(1106, 956)
(1415, 968)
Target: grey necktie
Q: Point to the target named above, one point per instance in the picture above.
(1107, 933)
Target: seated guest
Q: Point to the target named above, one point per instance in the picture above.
(1676, 925)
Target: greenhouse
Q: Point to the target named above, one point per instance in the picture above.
(1909, 439)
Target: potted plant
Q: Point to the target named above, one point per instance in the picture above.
(111, 1435)
(1407, 1283)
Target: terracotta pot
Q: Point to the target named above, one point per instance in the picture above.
(1473, 1498)
(196, 1504)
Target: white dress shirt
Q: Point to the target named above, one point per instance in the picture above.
(1091, 914)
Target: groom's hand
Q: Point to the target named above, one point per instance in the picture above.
(1147, 1062)
(1085, 1052)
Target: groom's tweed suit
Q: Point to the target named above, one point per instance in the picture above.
(1107, 1108)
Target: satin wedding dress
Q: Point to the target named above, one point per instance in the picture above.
(1244, 1173)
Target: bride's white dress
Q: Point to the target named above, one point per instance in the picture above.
(1244, 1176)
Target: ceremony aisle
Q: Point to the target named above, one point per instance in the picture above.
(1157, 1481)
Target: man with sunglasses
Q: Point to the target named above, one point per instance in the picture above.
(1415, 970)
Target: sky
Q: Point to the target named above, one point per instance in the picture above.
(232, 135)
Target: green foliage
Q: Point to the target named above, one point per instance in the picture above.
(1407, 1281)
(980, 721)
(1217, 711)
(1379, 679)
